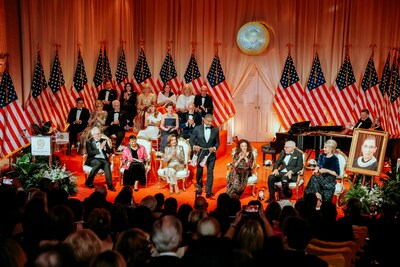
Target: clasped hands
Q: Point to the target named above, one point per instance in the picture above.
(288, 174)
(210, 149)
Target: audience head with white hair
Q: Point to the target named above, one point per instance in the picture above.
(208, 226)
(167, 234)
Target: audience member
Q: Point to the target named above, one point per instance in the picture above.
(200, 203)
(85, 245)
(166, 96)
(128, 99)
(363, 123)
(184, 99)
(188, 120)
(145, 99)
(169, 125)
(99, 222)
(284, 197)
(116, 121)
(107, 95)
(152, 125)
(204, 102)
(108, 258)
(11, 253)
(78, 118)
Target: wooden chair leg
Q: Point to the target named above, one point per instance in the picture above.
(253, 190)
(183, 184)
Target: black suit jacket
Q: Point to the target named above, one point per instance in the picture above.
(84, 117)
(295, 163)
(121, 118)
(92, 150)
(363, 124)
(208, 104)
(184, 118)
(112, 96)
(198, 138)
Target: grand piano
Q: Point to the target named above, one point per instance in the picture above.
(313, 138)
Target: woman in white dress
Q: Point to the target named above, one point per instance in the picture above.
(152, 123)
(184, 100)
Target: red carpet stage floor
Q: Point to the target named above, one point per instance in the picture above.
(74, 164)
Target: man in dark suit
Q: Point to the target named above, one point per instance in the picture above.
(107, 96)
(205, 142)
(189, 120)
(289, 163)
(78, 118)
(98, 151)
(363, 123)
(203, 102)
(116, 122)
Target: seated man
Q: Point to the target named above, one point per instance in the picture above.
(290, 162)
(116, 121)
(78, 118)
(188, 120)
(107, 96)
(98, 150)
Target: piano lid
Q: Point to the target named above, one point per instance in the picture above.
(328, 128)
(299, 127)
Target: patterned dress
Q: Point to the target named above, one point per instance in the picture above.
(174, 164)
(86, 134)
(237, 177)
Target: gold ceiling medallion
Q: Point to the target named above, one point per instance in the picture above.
(253, 38)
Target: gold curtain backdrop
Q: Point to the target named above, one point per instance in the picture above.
(330, 24)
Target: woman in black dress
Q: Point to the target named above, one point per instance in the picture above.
(133, 159)
(128, 100)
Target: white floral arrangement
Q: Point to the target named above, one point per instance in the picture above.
(56, 173)
(371, 199)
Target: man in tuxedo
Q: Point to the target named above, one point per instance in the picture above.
(78, 118)
(363, 123)
(98, 151)
(203, 102)
(205, 142)
(107, 96)
(116, 122)
(188, 120)
(289, 163)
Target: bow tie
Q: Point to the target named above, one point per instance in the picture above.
(116, 112)
(289, 154)
(97, 141)
(78, 109)
(207, 127)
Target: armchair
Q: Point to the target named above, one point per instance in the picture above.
(339, 188)
(87, 168)
(252, 180)
(180, 175)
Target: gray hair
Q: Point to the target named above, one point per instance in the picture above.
(290, 143)
(209, 116)
(94, 129)
(167, 233)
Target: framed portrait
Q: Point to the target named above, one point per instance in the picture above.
(367, 152)
(253, 38)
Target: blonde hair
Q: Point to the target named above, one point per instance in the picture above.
(85, 244)
(331, 144)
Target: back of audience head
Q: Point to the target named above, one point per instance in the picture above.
(142, 218)
(99, 222)
(222, 202)
(77, 208)
(194, 217)
(328, 212)
(251, 236)
(134, 247)
(150, 202)
(296, 233)
(167, 234)
(85, 245)
(286, 193)
(171, 206)
(200, 203)
(353, 206)
(102, 189)
(287, 211)
(273, 211)
(61, 222)
(234, 205)
(183, 214)
(11, 253)
(125, 197)
(208, 226)
(54, 255)
(160, 200)
(108, 258)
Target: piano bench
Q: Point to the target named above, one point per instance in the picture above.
(267, 149)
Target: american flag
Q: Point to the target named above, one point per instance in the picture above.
(142, 73)
(60, 96)
(13, 123)
(38, 108)
(393, 103)
(288, 95)
(220, 92)
(80, 87)
(192, 75)
(315, 96)
(384, 89)
(168, 74)
(370, 96)
(122, 73)
(99, 76)
(343, 95)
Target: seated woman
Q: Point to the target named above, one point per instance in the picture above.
(128, 101)
(96, 119)
(174, 157)
(242, 164)
(323, 180)
(164, 97)
(152, 123)
(143, 102)
(169, 125)
(187, 97)
(133, 159)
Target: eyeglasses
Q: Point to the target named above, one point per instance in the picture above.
(369, 147)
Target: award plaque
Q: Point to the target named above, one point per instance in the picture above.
(253, 38)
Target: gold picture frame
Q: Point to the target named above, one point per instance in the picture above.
(253, 38)
(367, 152)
